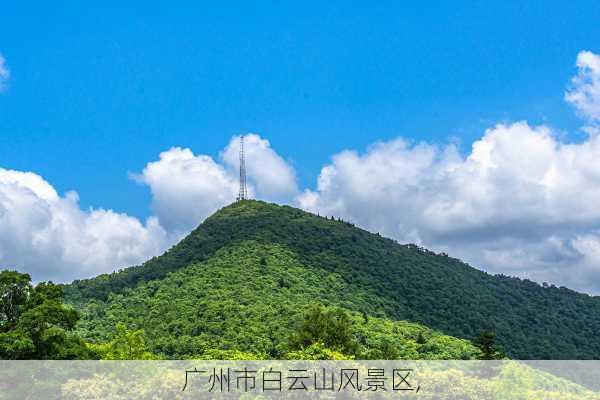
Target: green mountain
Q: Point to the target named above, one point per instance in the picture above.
(248, 275)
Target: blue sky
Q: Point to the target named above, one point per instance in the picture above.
(471, 128)
(96, 92)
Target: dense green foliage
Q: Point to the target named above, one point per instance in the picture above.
(234, 305)
(362, 272)
(485, 343)
(34, 324)
(125, 345)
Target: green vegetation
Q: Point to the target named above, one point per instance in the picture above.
(235, 306)
(125, 345)
(243, 278)
(34, 324)
(485, 343)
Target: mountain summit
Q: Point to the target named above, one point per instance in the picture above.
(256, 262)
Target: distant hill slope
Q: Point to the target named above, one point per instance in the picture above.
(381, 278)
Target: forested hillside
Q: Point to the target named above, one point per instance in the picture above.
(256, 262)
(258, 301)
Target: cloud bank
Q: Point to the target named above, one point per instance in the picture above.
(51, 238)
(520, 203)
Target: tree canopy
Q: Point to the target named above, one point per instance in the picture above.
(34, 324)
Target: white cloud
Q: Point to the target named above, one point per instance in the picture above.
(521, 202)
(4, 73)
(588, 246)
(269, 174)
(51, 238)
(186, 188)
(584, 93)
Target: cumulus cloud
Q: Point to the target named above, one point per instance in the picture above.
(4, 73)
(584, 93)
(186, 188)
(269, 174)
(52, 238)
(521, 202)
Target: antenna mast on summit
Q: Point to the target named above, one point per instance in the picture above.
(243, 195)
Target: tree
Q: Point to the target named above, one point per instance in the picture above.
(485, 342)
(421, 339)
(332, 328)
(34, 324)
(126, 345)
(263, 265)
(15, 291)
